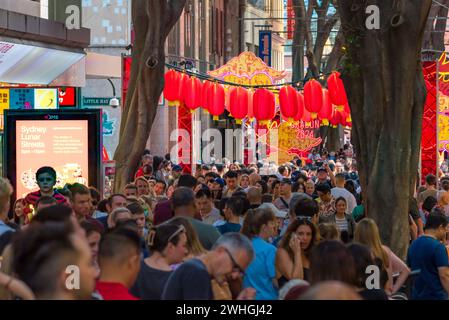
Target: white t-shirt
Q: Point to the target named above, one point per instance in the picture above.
(349, 197)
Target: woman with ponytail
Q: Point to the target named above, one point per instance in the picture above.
(168, 245)
(259, 226)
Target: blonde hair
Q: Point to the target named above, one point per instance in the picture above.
(150, 188)
(367, 233)
(193, 243)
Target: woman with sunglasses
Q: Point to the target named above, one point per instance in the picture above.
(259, 226)
(293, 254)
(168, 246)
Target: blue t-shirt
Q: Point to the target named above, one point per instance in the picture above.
(229, 227)
(261, 272)
(427, 254)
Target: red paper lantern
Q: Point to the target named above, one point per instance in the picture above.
(205, 94)
(216, 100)
(264, 106)
(288, 100)
(326, 111)
(192, 93)
(238, 103)
(313, 97)
(300, 100)
(337, 90)
(172, 91)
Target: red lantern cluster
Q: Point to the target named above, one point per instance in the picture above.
(329, 105)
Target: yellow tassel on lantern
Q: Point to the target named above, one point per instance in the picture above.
(238, 121)
(173, 103)
(313, 115)
(340, 108)
(216, 118)
(325, 122)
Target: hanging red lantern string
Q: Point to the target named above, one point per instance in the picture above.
(216, 100)
(326, 111)
(264, 106)
(288, 101)
(313, 97)
(337, 90)
(300, 101)
(238, 103)
(192, 93)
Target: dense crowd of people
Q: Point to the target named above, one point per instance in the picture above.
(229, 231)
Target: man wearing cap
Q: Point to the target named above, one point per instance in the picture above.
(282, 203)
(325, 176)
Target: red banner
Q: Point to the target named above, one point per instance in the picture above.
(290, 20)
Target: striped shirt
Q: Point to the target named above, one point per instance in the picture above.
(342, 224)
(33, 197)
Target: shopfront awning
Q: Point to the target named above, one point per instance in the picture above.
(26, 64)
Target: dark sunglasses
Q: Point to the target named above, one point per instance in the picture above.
(235, 265)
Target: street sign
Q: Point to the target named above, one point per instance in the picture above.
(265, 46)
(96, 101)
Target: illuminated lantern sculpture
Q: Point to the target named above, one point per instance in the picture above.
(264, 103)
(300, 101)
(172, 89)
(313, 97)
(216, 100)
(192, 93)
(288, 100)
(238, 103)
(326, 111)
(337, 90)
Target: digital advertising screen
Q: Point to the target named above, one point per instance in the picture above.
(67, 141)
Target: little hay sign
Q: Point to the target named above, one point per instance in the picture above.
(94, 101)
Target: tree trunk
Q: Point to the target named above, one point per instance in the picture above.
(152, 21)
(436, 27)
(384, 81)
